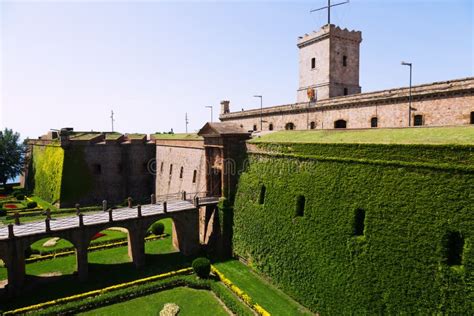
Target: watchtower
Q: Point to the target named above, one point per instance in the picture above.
(328, 63)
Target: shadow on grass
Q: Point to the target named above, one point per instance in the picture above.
(42, 289)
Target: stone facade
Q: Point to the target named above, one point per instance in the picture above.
(180, 166)
(117, 166)
(329, 63)
(439, 104)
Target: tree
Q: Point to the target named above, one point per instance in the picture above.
(12, 155)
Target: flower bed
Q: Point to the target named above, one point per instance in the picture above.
(241, 294)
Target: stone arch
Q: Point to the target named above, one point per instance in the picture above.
(289, 126)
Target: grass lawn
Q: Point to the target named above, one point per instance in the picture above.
(416, 135)
(190, 301)
(110, 235)
(273, 300)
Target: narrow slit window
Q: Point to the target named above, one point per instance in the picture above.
(300, 203)
(194, 176)
(181, 171)
(171, 169)
(472, 118)
(255, 127)
(454, 244)
(261, 198)
(346, 91)
(344, 61)
(359, 222)
(161, 166)
(313, 63)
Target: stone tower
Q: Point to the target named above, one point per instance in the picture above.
(328, 63)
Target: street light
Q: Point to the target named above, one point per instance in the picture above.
(210, 107)
(409, 97)
(261, 110)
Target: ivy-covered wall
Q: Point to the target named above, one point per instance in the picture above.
(374, 235)
(45, 174)
(77, 180)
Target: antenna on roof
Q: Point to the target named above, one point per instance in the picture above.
(112, 119)
(186, 121)
(329, 6)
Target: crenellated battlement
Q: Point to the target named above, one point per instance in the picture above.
(329, 31)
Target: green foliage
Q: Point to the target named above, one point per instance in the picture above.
(45, 174)
(12, 155)
(20, 196)
(157, 228)
(202, 267)
(77, 178)
(31, 204)
(399, 264)
(3, 212)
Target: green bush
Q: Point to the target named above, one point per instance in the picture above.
(32, 204)
(157, 228)
(3, 212)
(202, 267)
(19, 196)
(392, 260)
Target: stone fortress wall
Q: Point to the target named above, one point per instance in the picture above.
(439, 104)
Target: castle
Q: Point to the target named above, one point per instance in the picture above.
(329, 95)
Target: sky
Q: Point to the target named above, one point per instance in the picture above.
(69, 63)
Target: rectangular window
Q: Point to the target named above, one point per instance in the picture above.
(418, 121)
(344, 61)
(346, 91)
(313, 63)
(171, 169)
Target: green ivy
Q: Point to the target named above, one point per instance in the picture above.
(77, 179)
(45, 174)
(397, 266)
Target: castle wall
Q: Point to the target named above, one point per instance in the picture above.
(186, 154)
(436, 111)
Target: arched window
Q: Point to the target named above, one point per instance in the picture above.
(359, 222)
(373, 122)
(181, 173)
(289, 126)
(270, 127)
(312, 125)
(194, 176)
(340, 124)
(300, 202)
(261, 198)
(453, 248)
(418, 120)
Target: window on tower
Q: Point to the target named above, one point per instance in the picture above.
(344, 61)
(346, 91)
(313, 63)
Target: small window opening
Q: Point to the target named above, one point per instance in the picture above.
(373, 122)
(171, 169)
(454, 244)
(340, 124)
(181, 173)
(261, 198)
(254, 127)
(300, 202)
(312, 125)
(346, 91)
(359, 222)
(472, 118)
(344, 61)
(290, 126)
(418, 121)
(194, 176)
(97, 168)
(313, 63)
(270, 127)
(162, 166)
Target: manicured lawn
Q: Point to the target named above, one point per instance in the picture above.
(191, 302)
(416, 135)
(273, 300)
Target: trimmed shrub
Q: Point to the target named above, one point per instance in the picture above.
(202, 267)
(32, 204)
(3, 212)
(157, 228)
(20, 196)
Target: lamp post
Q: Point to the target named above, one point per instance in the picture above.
(210, 107)
(261, 110)
(409, 97)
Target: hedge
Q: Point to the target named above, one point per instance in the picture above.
(396, 266)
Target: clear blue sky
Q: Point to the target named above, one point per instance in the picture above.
(67, 63)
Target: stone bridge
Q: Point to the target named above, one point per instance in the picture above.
(79, 230)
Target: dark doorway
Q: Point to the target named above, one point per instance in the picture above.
(373, 122)
(418, 120)
(340, 124)
(290, 126)
(215, 183)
